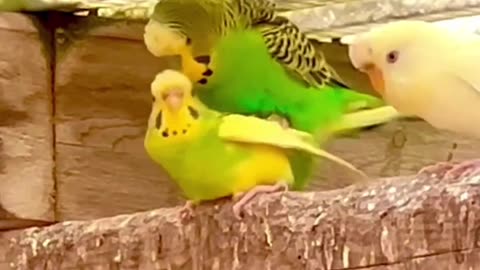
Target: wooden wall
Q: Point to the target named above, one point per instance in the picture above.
(102, 96)
(97, 117)
(26, 184)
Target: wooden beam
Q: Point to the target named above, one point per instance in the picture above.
(103, 102)
(395, 223)
(26, 156)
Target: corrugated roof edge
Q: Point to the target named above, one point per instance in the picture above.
(333, 18)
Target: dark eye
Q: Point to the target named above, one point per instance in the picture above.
(153, 99)
(392, 57)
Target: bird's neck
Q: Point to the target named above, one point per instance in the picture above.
(185, 124)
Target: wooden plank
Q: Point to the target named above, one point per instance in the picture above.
(26, 183)
(393, 224)
(103, 102)
(401, 147)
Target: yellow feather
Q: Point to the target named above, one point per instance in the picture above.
(240, 128)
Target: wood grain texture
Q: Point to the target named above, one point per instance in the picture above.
(401, 147)
(103, 102)
(394, 224)
(26, 183)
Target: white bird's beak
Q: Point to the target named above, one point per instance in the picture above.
(359, 53)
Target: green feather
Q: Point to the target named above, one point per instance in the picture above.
(247, 80)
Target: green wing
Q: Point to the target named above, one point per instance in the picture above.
(297, 54)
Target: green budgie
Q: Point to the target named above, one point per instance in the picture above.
(249, 81)
(191, 28)
(261, 64)
(194, 28)
(212, 155)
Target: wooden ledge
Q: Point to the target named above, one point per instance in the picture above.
(391, 224)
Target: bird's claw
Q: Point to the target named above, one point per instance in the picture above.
(450, 170)
(439, 169)
(187, 210)
(464, 169)
(246, 197)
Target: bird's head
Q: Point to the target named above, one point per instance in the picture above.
(391, 54)
(174, 108)
(170, 90)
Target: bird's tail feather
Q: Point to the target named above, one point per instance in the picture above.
(366, 118)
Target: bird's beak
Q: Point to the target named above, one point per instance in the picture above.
(174, 99)
(359, 52)
(360, 56)
(376, 77)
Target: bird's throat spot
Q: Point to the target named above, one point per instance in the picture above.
(167, 131)
(193, 112)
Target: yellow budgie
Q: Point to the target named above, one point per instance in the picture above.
(429, 71)
(211, 155)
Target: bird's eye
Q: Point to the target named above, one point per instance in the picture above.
(392, 57)
(153, 98)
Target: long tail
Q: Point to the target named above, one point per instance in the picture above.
(367, 118)
(322, 153)
(359, 101)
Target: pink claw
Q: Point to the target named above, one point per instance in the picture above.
(187, 210)
(439, 169)
(246, 197)
(464, 169)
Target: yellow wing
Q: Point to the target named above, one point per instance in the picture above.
(247, 129)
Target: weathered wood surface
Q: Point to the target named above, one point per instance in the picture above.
(396, 223)
(26, 152)
(102, 105)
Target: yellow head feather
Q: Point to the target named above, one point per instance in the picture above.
(168, 80)
(175, 112)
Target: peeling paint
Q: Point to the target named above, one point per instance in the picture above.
(386, 244)
(236, 263)
(345, 257)
(34, 246)
(268, 233)
(392, 190)
(118, 257)
(370, 206)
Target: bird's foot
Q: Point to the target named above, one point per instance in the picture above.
(283, 122)
(439, 169)
(245, 197)
(464, 169)
(187, 210)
